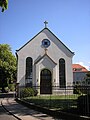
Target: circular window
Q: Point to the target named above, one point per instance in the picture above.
(46, 43)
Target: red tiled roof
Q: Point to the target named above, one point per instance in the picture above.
(78, 68)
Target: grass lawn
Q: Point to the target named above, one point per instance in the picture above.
(57, 102)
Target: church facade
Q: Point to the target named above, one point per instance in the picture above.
(45, 62)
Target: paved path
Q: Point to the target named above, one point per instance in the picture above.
(24, 113)
(4, 115)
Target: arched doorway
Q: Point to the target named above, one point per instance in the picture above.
(45, 82)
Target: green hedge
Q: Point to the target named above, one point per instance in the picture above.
(28, 92)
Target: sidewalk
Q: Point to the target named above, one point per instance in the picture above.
(23, 113)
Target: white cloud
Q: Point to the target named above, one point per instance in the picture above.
(86, 66)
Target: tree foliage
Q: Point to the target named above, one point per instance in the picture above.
(7, 65)
(88, 78)
(4, 4)
(88, 74)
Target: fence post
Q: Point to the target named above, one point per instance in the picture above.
(88, 106)
(17, 90)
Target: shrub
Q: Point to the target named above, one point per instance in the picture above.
(27, 92)
(11, 87)
(6, 89)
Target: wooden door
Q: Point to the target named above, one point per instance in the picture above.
(45, 82)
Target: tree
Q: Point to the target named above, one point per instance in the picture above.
(88, 74)
(88, 78)
(7, 66)
(4, 4)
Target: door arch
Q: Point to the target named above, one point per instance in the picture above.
(45, 82)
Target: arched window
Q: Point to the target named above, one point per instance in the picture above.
(29, 67)
(62, 76)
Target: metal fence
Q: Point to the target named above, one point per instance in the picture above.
(74, 99)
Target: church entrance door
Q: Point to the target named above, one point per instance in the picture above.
(45, 82)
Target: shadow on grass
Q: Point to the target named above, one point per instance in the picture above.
(66, 113)
(54, 104)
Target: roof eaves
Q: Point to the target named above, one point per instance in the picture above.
(60, 41)
(29, 40)
(52, 34)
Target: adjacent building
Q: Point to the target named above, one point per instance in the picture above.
(79, 73)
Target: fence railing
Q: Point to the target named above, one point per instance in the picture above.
(75, 99)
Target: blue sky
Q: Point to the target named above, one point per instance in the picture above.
(69, 20)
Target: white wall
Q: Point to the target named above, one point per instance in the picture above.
(35, 50)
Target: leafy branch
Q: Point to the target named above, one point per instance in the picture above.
(4, 4)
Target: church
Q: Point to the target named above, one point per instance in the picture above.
(45, 62)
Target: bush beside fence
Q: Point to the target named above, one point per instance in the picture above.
(78, 102)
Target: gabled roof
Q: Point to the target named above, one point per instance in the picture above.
(38, 34)
(43, 57)
(78, 68)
